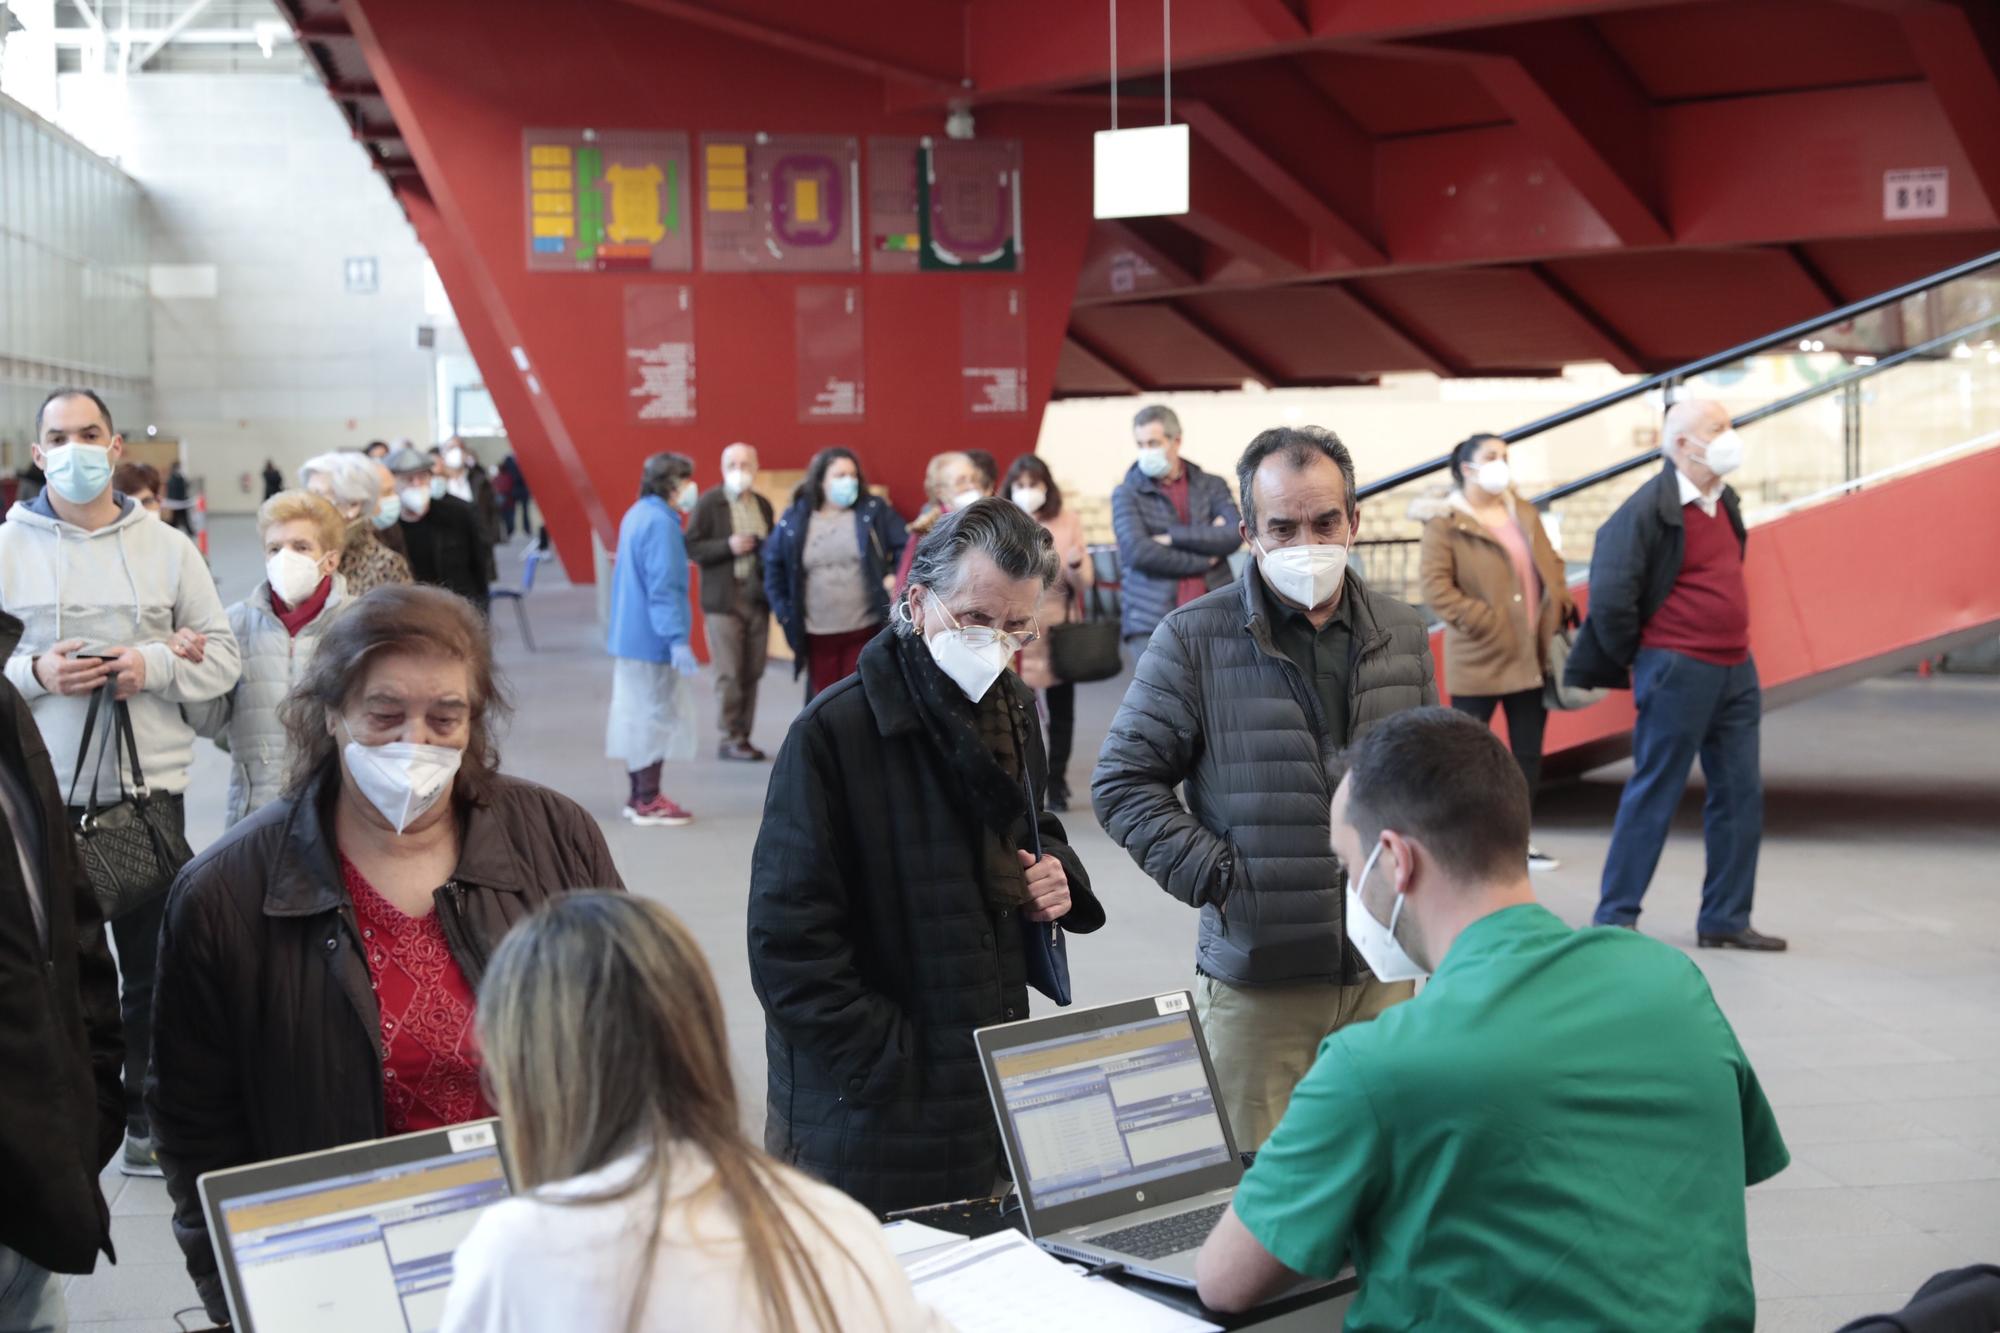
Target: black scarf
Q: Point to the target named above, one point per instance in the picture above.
(1000, 801)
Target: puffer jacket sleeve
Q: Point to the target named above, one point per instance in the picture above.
(802, 960)
(192, 1097)
(1151, 749)
(1137, 549)
(1215, 533)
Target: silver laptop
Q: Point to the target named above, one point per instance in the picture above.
(354, 1238)
(1117, 1140)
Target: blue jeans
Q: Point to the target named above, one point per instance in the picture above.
(1687, 709)
(31, 1297)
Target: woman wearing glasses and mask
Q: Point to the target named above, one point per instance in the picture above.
(318, 964)
(904, 859)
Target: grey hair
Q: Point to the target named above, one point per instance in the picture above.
(997, 529)
(1298, 446)
(350, 476)
(1161, 413)
(663, 474)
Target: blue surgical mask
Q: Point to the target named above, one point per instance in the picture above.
(844, 491)
(78, 472)
(1153, 462)
(388, 512)
(437, 488)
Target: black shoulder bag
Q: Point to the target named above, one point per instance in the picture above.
(132, 849)
(1088, 648)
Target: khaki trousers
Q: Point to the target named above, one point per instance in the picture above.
(1263, 1039)
(738, 644)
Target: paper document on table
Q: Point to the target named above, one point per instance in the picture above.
(1006, 1284)
(910, 1240)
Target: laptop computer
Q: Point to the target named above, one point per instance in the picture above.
(357, 1237)
(1117, 1140)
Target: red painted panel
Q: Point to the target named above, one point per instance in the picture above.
(1731, 47)
(1821, 601)
(1481, 196)
(1308, 333)
(1859, 267)
(1162, 349)
(1491, 319)
(1081, 375)
(1389, 96)
(1802, 165)
(1676, 305)
(464, 86)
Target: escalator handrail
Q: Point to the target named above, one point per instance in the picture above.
(1701, 366)
(1773, 408)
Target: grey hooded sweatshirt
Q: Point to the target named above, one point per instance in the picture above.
(131, 583)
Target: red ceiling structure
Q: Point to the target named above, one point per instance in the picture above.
(1468, 187)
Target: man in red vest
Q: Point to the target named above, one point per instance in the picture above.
(1670, 620)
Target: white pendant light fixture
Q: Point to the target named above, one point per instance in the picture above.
(1142, 172)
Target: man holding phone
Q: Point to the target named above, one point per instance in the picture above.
(105, 594)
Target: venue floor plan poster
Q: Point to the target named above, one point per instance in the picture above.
(780, 203)
(607, 201)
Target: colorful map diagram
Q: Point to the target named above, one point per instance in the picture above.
(607, 201)
(780, 203)
(944, 205)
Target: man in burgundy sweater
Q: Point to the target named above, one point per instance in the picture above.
(1670, 620)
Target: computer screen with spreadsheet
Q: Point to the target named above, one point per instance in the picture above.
(368, 1245)
(1109, 1109)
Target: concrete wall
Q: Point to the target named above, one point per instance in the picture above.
(260, 177)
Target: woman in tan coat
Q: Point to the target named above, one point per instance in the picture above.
(1491, 574)
(1030, 485)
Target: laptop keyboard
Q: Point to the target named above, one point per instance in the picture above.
(1164, 1236)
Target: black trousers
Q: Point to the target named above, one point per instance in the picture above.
(1527, 715)
(1061, 700)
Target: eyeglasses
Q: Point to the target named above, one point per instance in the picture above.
(985, 636)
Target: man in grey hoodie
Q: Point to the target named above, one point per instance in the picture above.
(106, 591)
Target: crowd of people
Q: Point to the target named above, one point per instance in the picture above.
(394, 934)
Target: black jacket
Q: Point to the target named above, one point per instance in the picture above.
(878, 531)
(1632, 570)
(61, 1112)
(1218, 712)
(874, 950)
(447, 548)
(708, 531)
(266, 1036)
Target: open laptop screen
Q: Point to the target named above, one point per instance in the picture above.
(369, 1249)
(1109, 1109)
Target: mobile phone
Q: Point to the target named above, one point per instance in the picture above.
(94, 655)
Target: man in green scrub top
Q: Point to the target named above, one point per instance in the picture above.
(1556, 1133)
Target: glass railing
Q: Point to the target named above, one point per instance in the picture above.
(1884, 384)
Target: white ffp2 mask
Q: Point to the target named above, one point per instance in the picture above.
(1375, 942)
(1308, 576)
(1725, 453)
(292, 575)
(1494, 475)
(401, 779)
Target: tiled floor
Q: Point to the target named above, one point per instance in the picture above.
(1877, 1038)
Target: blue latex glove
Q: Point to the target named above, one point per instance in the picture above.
(683, 659)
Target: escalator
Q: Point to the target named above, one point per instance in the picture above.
(1871, 486)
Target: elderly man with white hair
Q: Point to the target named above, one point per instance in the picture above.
(725, 539)
(1670, 620)
(364, 492)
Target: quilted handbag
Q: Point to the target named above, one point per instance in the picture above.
(1086, 649)
(134, 847)
(1558, 696)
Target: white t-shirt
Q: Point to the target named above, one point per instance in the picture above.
(530, 1265)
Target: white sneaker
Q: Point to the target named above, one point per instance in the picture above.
(1541, 860)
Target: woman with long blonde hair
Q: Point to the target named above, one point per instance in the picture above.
(641, 1204)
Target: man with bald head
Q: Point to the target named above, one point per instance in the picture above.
(725, 538)
(1670, 620)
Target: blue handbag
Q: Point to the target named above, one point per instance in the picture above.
(1043, 948)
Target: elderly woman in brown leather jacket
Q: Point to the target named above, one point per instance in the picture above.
(318, 965)
(1491, 574)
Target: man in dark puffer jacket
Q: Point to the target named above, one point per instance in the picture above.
(1247, 695)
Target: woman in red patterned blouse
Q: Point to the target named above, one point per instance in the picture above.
(318, 965)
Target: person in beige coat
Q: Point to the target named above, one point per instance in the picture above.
(1029, 484)
(1491, 574)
